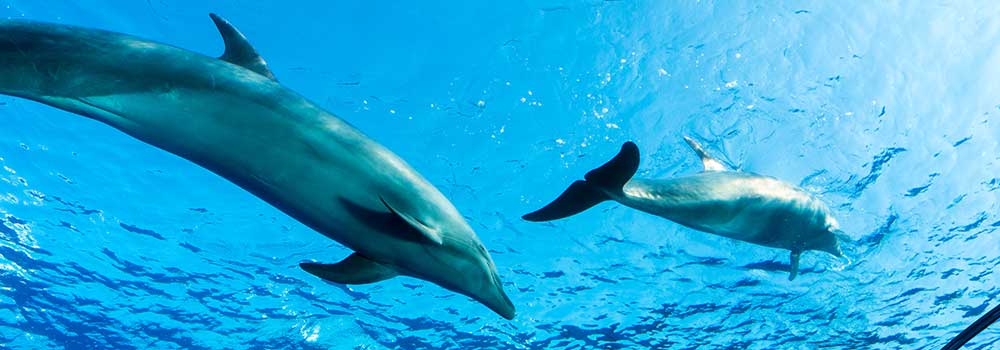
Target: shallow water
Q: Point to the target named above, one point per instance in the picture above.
(887, 111)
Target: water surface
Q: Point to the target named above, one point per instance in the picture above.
(888, 111)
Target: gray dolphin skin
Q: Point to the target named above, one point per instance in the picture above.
(230, 116)
(743, 206)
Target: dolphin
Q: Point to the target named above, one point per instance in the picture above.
(231, 116)
(744, 206)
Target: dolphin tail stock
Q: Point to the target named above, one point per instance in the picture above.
(598, 183)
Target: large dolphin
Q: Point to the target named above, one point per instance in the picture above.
(744, 206)
(231, 116)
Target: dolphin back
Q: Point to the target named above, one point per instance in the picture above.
(48, 59)
(596, 188)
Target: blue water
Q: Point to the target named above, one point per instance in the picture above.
(886, 110)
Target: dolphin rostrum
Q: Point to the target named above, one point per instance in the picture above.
(229, 115)
(744, 206)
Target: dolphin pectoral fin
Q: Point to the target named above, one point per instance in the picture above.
(707, 161)
(794, 270)
(355, 269)
(432, 234)
(82, 107)
(238, 48)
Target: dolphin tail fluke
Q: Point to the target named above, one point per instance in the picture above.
(581, 195)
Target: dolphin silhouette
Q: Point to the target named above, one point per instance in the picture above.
(743, 206)
(230, 116)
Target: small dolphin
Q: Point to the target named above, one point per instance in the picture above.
(744, 206)
(229, 115)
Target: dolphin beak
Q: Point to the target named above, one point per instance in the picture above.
(493, 296)
(500, 303)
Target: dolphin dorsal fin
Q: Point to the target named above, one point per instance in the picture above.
(709, 163)
(238, 49)
(432, 234)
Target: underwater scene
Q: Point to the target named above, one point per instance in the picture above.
(615, 174)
